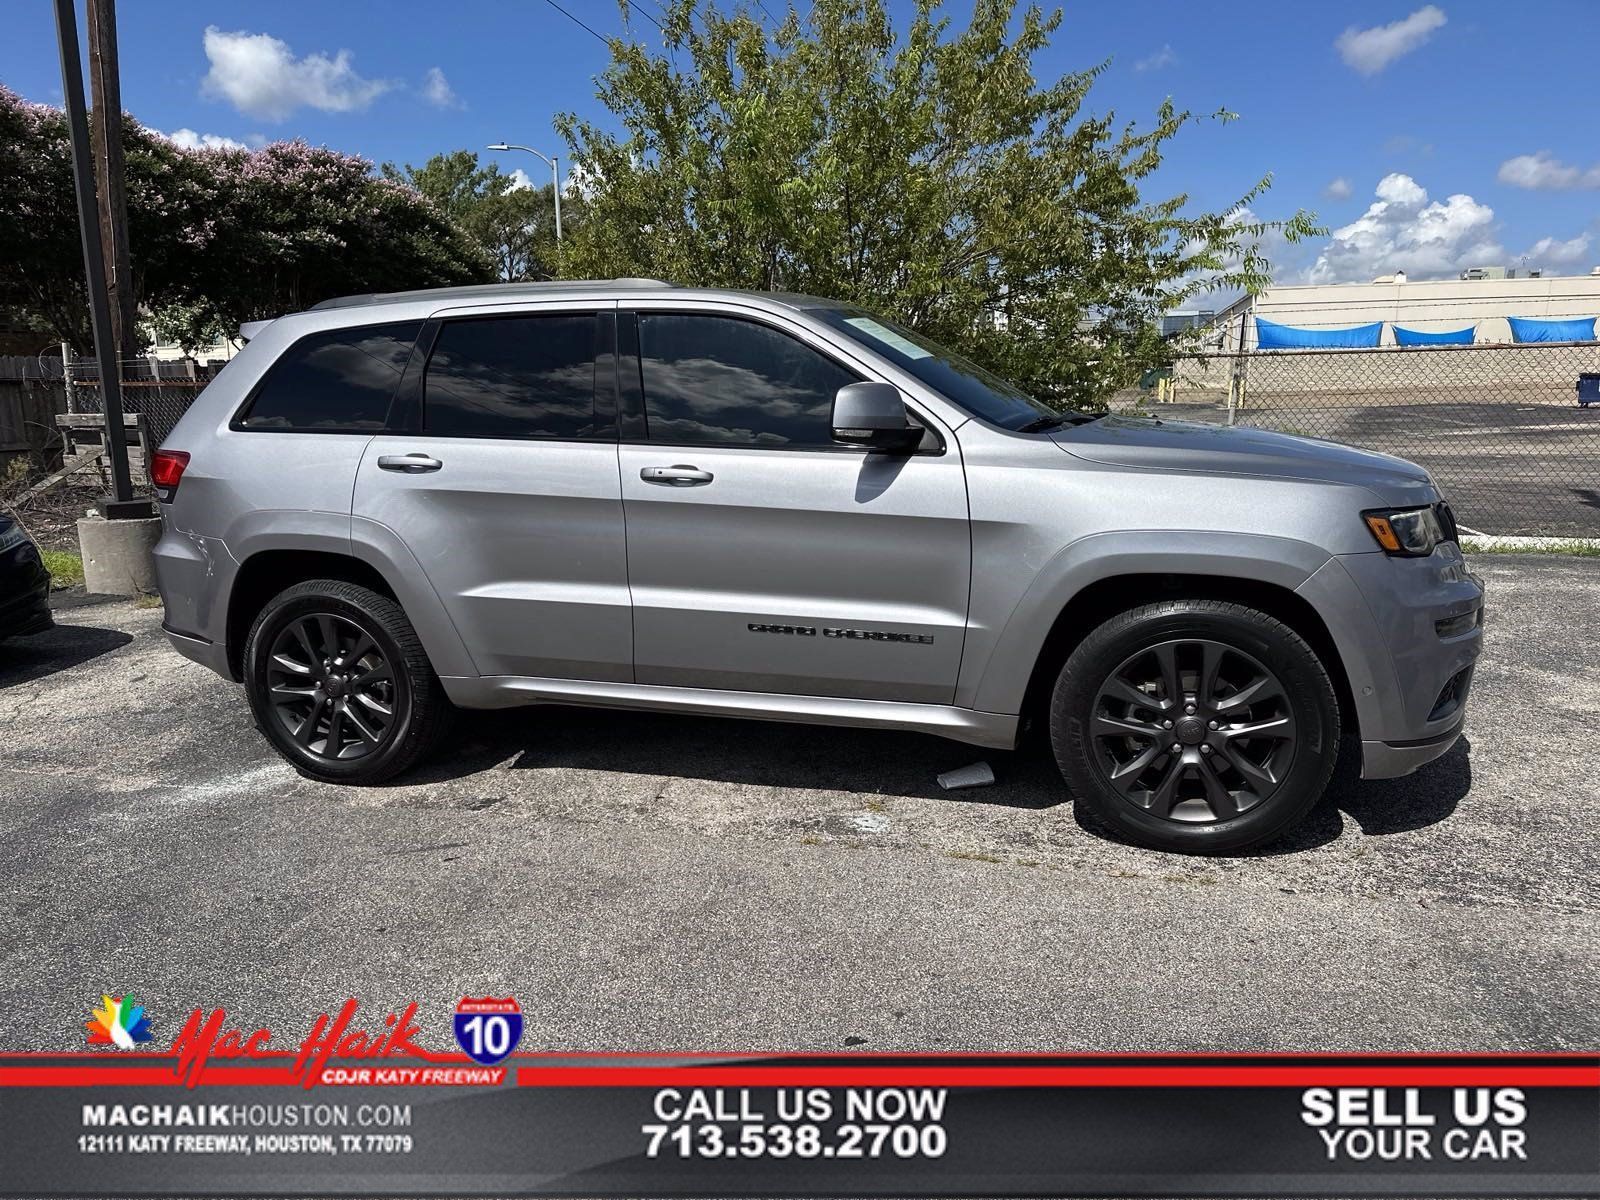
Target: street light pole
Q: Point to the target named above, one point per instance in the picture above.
(555, 174)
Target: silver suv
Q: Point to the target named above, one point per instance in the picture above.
(627, 494)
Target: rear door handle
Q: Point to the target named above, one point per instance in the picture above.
(411, 464)
(677, 475)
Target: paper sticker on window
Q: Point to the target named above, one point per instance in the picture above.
(882, 333)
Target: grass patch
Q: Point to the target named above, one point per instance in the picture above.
(1570, 547)
(66, 568)
(148, 600)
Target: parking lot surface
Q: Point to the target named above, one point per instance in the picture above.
(653, 882)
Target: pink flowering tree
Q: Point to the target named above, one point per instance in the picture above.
(216, 237)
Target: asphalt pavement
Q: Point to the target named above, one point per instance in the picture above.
(667, 883)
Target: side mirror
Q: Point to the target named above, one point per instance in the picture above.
(873, 415)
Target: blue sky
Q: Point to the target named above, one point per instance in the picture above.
(1426, 136)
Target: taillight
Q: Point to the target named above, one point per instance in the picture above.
(166, 469)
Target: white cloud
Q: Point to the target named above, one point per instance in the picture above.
(1400, 190)
(1371, 50)
(1548, 252)
(1404, 231)
(1542, 171)
(436, 90)
(519, 180)
(260, 76)
(1338, 189)
(1163, 57)
(188, 139)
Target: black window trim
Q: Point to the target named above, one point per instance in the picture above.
(630, 384)
(236, 423)
(407, 414)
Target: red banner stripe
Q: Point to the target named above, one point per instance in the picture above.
(998, 1076)
(1299, 1076)
(140, 1076)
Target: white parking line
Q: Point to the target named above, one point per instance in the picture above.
(1480, 432)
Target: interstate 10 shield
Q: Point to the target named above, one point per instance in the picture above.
(488, 1029)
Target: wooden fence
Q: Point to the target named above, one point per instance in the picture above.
(32, 392)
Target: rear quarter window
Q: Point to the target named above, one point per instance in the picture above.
(338, 381)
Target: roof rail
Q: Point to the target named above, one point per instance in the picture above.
(483, 289)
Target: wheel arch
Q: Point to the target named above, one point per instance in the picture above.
(265, 573)
(377, 559)
(1106, 597)
(1097, 576)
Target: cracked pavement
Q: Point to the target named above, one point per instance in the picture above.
(655, 882)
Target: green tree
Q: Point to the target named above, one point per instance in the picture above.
(514, 225)
(930, 176)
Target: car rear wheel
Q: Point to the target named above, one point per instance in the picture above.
(339, 683)
(1198, 726)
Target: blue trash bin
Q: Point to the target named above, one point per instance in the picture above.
(1588, 389)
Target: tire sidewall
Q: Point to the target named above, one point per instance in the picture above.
(278, 614)
(1307, 689)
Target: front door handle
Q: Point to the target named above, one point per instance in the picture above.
(411, 464)
(677, 475)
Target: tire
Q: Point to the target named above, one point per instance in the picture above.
(1253, 757)
(349, 738)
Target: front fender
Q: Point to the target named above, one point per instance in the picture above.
(999, 663)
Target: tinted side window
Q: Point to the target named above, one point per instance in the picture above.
(723, 381)
(512, 377)
(340, 381)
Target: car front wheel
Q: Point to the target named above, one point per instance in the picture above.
(339, 683)
(1198, 726)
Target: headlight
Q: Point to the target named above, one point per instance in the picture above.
(1408, 532)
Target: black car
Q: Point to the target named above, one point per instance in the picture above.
(24, 584)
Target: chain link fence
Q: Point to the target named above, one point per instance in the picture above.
(159, 391)
(1502, 428)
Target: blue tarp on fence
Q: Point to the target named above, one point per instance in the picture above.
(1531, 329)
(1418, 337)
(1272, 336)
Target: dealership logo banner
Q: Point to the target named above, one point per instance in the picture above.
(215, 1117)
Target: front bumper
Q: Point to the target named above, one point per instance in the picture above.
(24, 592)
(1409, 668)
(1390, 760)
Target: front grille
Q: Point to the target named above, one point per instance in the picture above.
(1453, 695)
(1447, 521)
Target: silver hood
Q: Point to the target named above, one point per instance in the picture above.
(1242, 450)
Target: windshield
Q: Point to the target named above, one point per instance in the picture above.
(982, 393)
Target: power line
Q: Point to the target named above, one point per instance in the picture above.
(597, 37)
(634, 7)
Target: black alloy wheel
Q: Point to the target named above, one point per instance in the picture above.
(339, 683)
(332, 688)
(1194, 730)
(1195, 725)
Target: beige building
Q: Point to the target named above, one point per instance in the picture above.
(1432, 306)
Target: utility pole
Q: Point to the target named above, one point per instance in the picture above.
(105, 130)
(120, 504)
